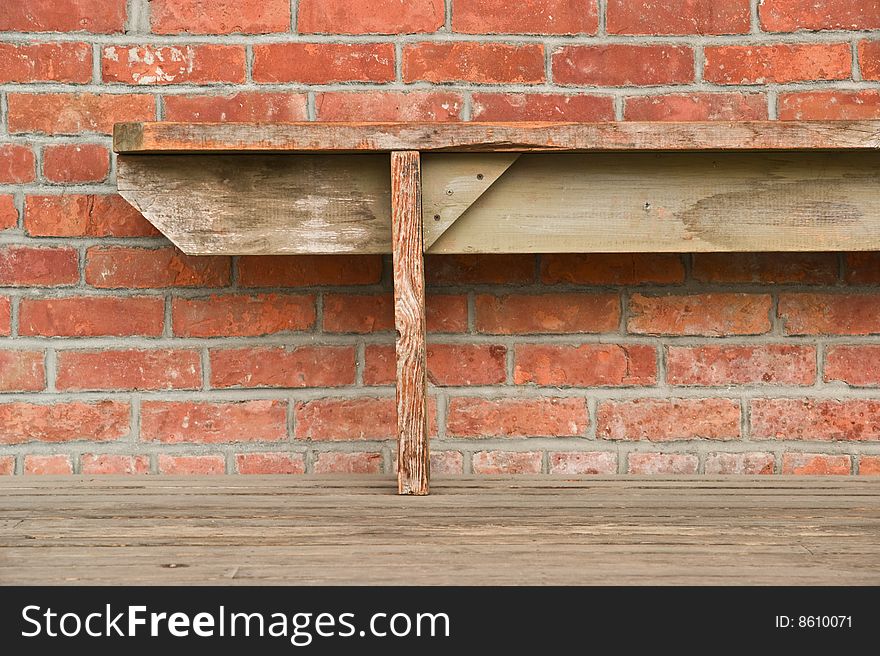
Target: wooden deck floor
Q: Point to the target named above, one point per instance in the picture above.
(515, 530)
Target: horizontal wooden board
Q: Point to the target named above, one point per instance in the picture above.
(494, 137)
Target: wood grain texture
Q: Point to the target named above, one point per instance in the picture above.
(409, 320)
(675, 202)
(164, 137)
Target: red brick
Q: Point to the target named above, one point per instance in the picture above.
(611, 268)
(661, 420)
(782, 62)
(507, 462)
(697, 107)
(361, 418)
(525, 17)
(129, 369)
(7, 465)
(243, 107)
(662, 463)
(587, 365)
(22, 371)
(71, 113)
(278, 366)
(862, 268)
(47, 465)
(869, 59)
(771, 364)
(514, 417)
(816, 464)
(219, 16)
(76, 163)
(270, 463)
(102, 421)
(767, 268)
(308, 270)
(541, 107)
(448, 364)
(374, 17)
(323, 63)
(714, 314)
(45, 62)
(101, 16)
(816, 419)
(242, 315)
(388, 106)
(38, 267)
(192, 465)
(856, 365)
(741, 463)
(107, 463)
(369, 313)
(623, 65)
(547, 313)
(165, 64)
(111, 267)
(673, 17)
(794, 15)
(576, 463)
(446, 463)
(513, 269)
(175, 422)
(92, 316)
(829, 105)
(8, 212)
(869, 466)
(830, 314)
(84, 215)
(17, 164)
(5, 315)
(356, 462)
(482, 63)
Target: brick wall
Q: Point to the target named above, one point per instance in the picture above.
(119, 354)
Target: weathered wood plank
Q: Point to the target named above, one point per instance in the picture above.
(409, 320)
(494, 137)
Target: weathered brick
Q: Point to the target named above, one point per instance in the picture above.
(869, 59)
(547, 313)
(369, 313)
(515, 417)
(84, 215)
(620, 64)
(576, 463)
(203, 422)
(388, 106)
(466, 269)
(270, 463)
(771, 364)
(448, 364)
(101, 421)
(697, 107)
(129, 369)
(72, 113)
(116, 465)
(323, 63)
(7, 465)
(794, 15)
(815, 419)
(92, 316)
(363, 418)
(308, 270)
(862, 268)
(446, 463)
(76, 163)
(586, 365)
(242, 315)
(541, 107)
(374, 17)
(8, 212)
(278, 366)
(829, 105)
(242, 107)
(465, 61)
(671, 17)
(712, 314)
(830, 314)
(22, 371)
(191, 465)
(525, 17)
(780, 63)
(17, 164)
(38, 267)
(45, 62)
(219, 16)
(611, 268)
(507, 462)
(120, 267)
(5, 315)
(166, 64)
(47, 465)
(856, 365)
(816, 464)
(741, 463)
(869, 466)
(100, 16)
(662, 463)
(351, 462)
(767, 268)
(661, 420)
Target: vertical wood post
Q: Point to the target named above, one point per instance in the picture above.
(409, 320)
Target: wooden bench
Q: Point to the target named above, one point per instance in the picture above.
(414, 188)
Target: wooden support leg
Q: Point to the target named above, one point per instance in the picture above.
(409, 320)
